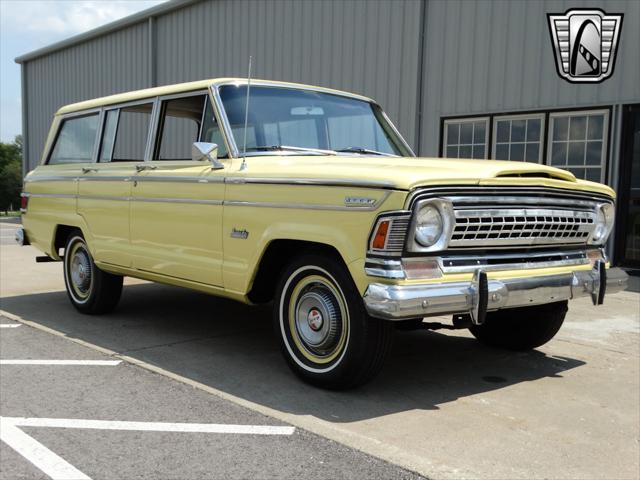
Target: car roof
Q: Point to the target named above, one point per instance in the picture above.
(187, 87)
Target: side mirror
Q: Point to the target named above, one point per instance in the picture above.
(208, 152)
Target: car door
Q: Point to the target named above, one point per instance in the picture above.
(176, 209)
(104, 189)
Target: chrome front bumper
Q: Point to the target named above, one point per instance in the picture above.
(476, 297)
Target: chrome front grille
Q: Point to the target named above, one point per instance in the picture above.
(520, 226)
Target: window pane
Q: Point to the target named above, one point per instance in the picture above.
(503, 131)
(110, 125)
(533, 130)
(517, 130)
(479, 132)
(466, 133)
(593, 174)
(211, 131)
(452, 152)
(596, 123)
(594, 153)
(478, 151)
(303, 133)
(465, 151)
(533, 150)
(502, 151)
(131, 136)
(452, 133)
(560, 128)
(75, 141)
(559, 153)
(578, 172)
(578, 128)
(517, 151)
(576, 153)
(180, 127)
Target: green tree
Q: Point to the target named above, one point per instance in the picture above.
(10, 174)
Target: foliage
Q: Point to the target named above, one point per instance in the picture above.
(10, 174)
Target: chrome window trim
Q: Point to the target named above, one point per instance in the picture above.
(71, 116)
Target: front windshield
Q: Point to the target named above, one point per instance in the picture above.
(305, 119)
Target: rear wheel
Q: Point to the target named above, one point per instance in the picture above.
(521, 328)
(90, 289)
(325, 333)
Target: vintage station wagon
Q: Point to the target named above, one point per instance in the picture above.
(310, 198)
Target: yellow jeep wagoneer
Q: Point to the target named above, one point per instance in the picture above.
(310, 198)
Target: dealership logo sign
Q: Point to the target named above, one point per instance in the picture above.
(585, 44)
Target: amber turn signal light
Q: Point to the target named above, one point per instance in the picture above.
(380, 237)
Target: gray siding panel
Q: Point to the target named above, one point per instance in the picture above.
(490, 56)
(478, 57)
(101, 66)
(365, 47)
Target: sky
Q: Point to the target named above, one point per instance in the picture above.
(27, 25)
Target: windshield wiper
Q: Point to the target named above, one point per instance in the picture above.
(364, 151)
(273, 148)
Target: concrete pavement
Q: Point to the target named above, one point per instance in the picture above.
(443, 406)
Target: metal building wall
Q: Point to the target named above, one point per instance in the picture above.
(372, 48)
(101, 66)
(473, 61)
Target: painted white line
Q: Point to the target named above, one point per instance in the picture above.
(104, 363)
(151, 426)
(9, 325)
(51, 464)
(58, 469)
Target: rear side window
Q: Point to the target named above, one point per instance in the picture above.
(75, 140)
(125, 134)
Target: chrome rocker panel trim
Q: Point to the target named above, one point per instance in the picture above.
(399, 302)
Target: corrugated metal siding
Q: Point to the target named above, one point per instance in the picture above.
(472, 57)
(102, 66)
(364, 47)
(491, 56)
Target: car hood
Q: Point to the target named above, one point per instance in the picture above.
(407, 173)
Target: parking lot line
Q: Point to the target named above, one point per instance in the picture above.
(150, 426)
(9, 325)
(103, 363)
(51, 464)
(59, 469)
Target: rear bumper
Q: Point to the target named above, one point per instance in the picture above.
(476, 297)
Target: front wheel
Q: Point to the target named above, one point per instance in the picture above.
(90, 289)
(522, 328)
(325, 333)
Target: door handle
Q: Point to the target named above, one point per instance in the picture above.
(141, 167)
(89, 169)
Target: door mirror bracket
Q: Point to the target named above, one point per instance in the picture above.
(205, 151)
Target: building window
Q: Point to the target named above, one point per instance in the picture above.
(518, 137)
(577, 142)
(466, 138)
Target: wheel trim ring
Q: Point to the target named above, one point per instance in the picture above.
(337, 294)
(78, 295)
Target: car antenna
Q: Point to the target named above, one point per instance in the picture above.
(246, 119)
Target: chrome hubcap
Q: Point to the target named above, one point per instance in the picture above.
(81, 271)
(318, 320)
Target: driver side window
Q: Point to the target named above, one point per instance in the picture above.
(183, 121)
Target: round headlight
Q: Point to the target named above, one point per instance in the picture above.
(604, 223)
(429, 226)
